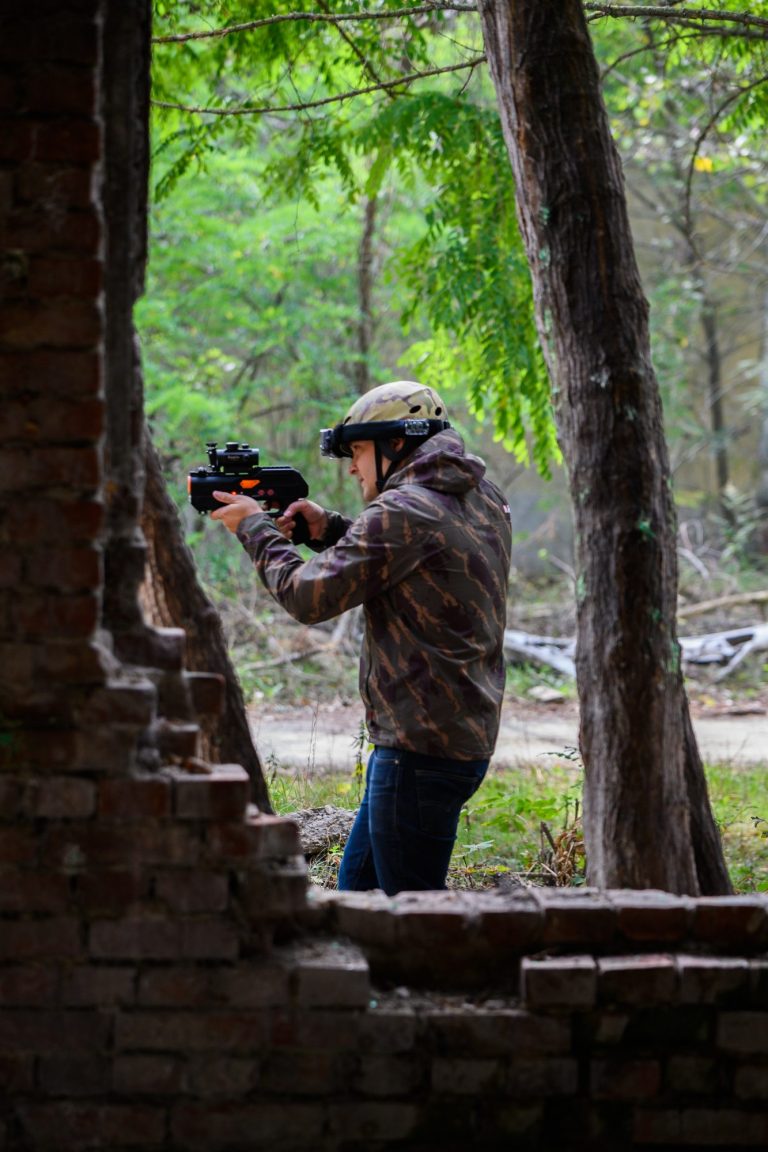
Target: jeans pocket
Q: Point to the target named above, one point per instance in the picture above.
(440, 797)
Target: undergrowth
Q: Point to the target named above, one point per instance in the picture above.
(523, 827)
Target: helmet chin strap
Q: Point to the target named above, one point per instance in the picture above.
(383, 450)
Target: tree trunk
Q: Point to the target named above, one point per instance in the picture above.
(177, 600)
(645, 800)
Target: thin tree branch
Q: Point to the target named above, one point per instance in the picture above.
(386, 85)
(669, 13)
(678, 15)
(313, 17)
(702, 137)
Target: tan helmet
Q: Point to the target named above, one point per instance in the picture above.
(402, 408)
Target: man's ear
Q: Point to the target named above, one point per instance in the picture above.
(397, 443)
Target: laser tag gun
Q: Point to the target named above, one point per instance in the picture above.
(236, 469)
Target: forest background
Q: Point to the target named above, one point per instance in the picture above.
(298, 257)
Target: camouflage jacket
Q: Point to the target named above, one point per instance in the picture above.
(429, 561)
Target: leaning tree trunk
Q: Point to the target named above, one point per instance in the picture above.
(647, 818)
(177, 600)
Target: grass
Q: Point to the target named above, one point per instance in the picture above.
(524, 825)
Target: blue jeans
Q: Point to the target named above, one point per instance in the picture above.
(404, 832)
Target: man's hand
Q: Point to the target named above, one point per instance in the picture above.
(315, 516)
(235, 508)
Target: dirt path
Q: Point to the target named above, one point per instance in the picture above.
(323, 739)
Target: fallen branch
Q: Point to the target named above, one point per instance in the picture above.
(722, 602)
(730, 648)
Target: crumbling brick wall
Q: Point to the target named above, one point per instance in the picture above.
(167, 982)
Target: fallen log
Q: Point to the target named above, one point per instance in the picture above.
(729, 648)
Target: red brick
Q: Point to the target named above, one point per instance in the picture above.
(44, 421)
(198, 1031)
(192, 891)
(692, 1075)
(255, 839)
(149, 1075)
(558, 982)
(222, 795)
(40, 939)
(47, 748)
(34, 891)
(135, 939)
(17, 139)
(63, 38)
(70, 662)
(91, 985)
(65, 797)
(652, 916)
(380, 1120)
(50, 230)
(64, 373)
(98, 845)
(274, 891)
(551, 1077)
(207, 692)
(229, 1077)
(745, 1032)
(573, 916)
(54, 1031)
(704, 1127)
(65, 276)
(66, 324)
(72, 1125)
(624, 1079)
(256, 984)
(731, 920)
(124, 702)
(499, 1032)
(62, 617)
(10, 570)
(175, 987)
(65, 569)
(112, 889)
(33, 985)
(57, 468)
(508, 924)
(64, 1076)
(176, 738)
(17, 1074)
(18, 846)
(45, 184)
(60, 90)
(201, 1127)
(135, 797)
(454, 1076)
(388, 1075)
(209, 940)
(9, 92)
(750, 1082)
(645, 979)
(712, 979)
(11, 794)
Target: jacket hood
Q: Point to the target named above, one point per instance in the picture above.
(440, 463)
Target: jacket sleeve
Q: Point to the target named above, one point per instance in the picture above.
(374, 553)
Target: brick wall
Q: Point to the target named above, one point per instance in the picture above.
(167, 982)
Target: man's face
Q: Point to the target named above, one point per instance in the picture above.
(363, 466)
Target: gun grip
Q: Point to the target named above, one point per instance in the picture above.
(301, 530)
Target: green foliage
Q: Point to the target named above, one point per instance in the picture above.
(524, 823)
(435, 150)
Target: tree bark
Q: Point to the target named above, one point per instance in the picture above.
(176, 599)
(647, 819)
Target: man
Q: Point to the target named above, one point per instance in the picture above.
(428, 558)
